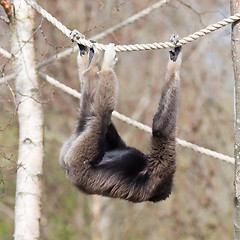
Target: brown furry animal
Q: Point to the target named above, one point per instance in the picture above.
(97, 161)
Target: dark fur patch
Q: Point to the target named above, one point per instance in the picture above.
(98, 160)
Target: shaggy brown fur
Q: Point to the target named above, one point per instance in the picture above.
(95, 158)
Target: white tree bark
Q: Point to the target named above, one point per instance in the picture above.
(96, 208)
(101, 210)
(30, 117)
(235, 8)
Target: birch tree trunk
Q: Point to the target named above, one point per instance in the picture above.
(30, 117)
(96, 217)
(102, 211)
(235, 8)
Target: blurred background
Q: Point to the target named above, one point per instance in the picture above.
(201, 204)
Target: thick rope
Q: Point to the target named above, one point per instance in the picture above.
(7, 78)
(134, 47)
(103, 34)
(5, 53)
(132, 19)
(139, 125)
(67, 32)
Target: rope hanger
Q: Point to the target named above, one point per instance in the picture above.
(134, 47)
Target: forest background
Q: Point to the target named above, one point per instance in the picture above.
(201, 205)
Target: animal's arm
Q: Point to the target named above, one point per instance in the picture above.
(88, 82)
(129, 174)
(85, 148)
(142, 178)
(162, 156)
(97, 161)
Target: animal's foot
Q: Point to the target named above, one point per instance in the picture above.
(88, 57)
(110, 57)
(76, 35)
(174, 39)
(174, 52)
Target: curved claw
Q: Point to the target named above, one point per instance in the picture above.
(174, 39)
(174, 53)
(91, 52)
(82, 49)
(90, 56)
(93, 55)
(75, 34)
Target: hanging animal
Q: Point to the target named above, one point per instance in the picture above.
(96, 160)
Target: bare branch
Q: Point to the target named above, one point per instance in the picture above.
(8, 7)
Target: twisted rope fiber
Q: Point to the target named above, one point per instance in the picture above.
(110, 30)
(132, 19)
(135, 47)
(103, 34)
(67, 32)
(5, 53)
(139, 125)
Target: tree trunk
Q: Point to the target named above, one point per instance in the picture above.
(235, 8)
(30, 117)
(101, 210)
(96, 217)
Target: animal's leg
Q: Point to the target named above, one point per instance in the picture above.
(88, 148)
(105, 99)
(165, 120)
(175, 52)
(162, 157)
(88, 81)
